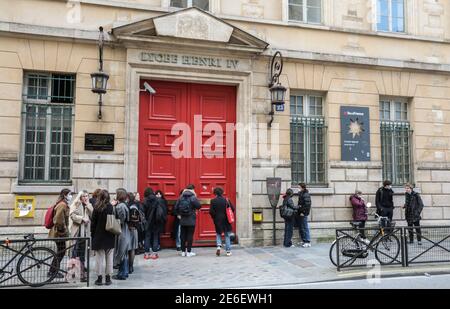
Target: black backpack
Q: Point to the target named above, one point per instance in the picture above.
(137, 218)
(184, 207)
(159, 216)
(286, 212)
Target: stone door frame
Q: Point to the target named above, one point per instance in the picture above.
(242, 81)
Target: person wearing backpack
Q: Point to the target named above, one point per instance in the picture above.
(102, 240)
(218, 213)
(288, 211)
(133, 224)
(384, 200)
(413, 210)
(304, 203)
(59, 229)
(185, 209)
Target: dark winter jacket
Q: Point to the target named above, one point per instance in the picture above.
(288, 202)
(101, 239)
(195, 204)
(155, 223)
(304, 201)
(384, 199)
(219, 215)
(413, 207)
(359, 208)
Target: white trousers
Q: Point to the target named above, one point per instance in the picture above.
(104, 262)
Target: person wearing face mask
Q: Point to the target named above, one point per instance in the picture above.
(384, 200)
(80, 226)
(60, 229)
(413, 209)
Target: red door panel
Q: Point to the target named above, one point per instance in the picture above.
(157, 168)
(216, 105)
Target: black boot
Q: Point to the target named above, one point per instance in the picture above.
(108, 280)
(99, 280)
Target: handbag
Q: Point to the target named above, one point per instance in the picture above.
(230, 213)
(113, 224)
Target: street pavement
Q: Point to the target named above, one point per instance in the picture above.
(425, 281)
(262, 267)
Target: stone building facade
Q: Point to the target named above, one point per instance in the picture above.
(390, 56)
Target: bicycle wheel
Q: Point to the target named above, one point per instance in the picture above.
(387, 249)
(346, 244)
(33, 267)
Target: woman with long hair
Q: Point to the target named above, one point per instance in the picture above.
(163, 202)
(102, 240)
(124, 239)
(80, 214)
(60, 229)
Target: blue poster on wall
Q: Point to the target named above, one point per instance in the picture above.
(355, 133)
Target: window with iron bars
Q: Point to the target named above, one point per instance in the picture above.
(396, 135)
(47, 121)
(308, 133)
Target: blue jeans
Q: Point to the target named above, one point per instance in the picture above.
(151, 240)
(178, 237)
(123, 268)
(288, 232)
(227, 241)
(303, 228)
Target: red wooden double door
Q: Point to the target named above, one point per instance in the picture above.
(199, 154)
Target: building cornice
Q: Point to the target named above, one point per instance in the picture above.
(226, 17)
(91, 36)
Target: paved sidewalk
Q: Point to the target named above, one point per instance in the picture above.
(245, 268)
(248, 268)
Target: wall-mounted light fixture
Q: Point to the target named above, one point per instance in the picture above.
(277, 91)
(100, 78)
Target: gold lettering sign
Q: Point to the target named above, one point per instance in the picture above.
(188, 60)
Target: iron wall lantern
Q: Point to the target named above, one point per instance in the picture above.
(277, 91)
(100, 78)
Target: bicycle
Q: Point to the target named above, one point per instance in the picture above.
(30, 258)
(385, 244)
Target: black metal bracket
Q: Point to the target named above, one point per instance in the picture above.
(276, 67)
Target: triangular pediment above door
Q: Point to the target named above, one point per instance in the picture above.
(186, 26)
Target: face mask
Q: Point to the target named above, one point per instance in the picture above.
(69, 197)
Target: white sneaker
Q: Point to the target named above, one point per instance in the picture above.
(229, 253)
(292, 246)
(306, 245)
(366, 241)
(183, 253)
(190, 254)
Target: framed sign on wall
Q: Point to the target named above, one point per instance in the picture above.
(99, 142)
(355, 133)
